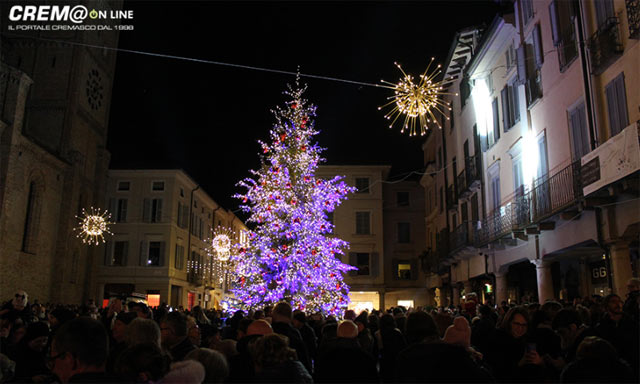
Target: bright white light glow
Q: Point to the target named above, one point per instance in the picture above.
(482, 106)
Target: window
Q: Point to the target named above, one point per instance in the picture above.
(617, 105)
(121, 211)
(152, 211)
(181, 192)
(402, 199)
(510, 107)
(120, 252)
(532, 57)
(404, 270)
(363, 223)
(179, 261)
(465, 92)
(154, 255)
(562, 31)
(543, 160)
(123, 186)
(183, 214)
(362, 263)
(518, 177)
(578, 129)
(404, 232)
(510, 56)
(157, 186)
(527, 11)
(439, 158)
(362, 184)
(32, 219)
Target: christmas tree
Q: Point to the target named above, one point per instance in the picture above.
(291, 254)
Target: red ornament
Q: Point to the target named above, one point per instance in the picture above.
(282, 137)
(284, 247)
(294, 105)
(288, 185)
(338, 286)
(313, 252)
(307, 179)
(303, 148)
(293, 202)
(265, 150)
(318, 181)
(296, 220)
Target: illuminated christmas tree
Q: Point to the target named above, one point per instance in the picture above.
(291, 254)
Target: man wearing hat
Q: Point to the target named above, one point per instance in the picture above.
(118, 337)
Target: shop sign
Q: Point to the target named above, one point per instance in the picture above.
(599, 272)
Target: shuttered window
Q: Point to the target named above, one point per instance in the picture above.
(578, 129)
(617, 105)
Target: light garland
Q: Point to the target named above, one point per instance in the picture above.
(292, 254)
(93, 225)
(417, 101)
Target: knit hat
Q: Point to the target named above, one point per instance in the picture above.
(35, 330)
(126, 317)
(459, 333)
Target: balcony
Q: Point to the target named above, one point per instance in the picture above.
(469, 178)
(462, 237)
(452, 198)
(502, 222)
(551, 195)
(567, 48)
(605, 45)
(534, 88)
(633, 18)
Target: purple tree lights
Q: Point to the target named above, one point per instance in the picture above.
(292, 255)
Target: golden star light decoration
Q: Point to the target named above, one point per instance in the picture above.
(92, 226)
(221, 244)
(419, 102)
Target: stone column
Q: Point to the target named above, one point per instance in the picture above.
(620, 267)
(501, 288)
(456, 295)
(545, 282)
(583, 273)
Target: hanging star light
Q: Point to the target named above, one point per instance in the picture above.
(93, 225)
(417, 101)
(221, 243)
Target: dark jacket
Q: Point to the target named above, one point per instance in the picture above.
(597, 371)
(291, 371)
(343, 361)
(241, 368)
(624, 336)
(181, 350)
(310, 339)
(438, 363)
(631, 306)
(295, 341)
(392, 342)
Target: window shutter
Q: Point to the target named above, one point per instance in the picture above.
(375, 264)
(553, 15)
(483, 147)
(537, 46)
(352, 262)
(621, 97)
(123, 217)
(515, 107)
(143, 253)
(125, 254)
(162, 252)
(496, 121)
(506, 122)
(113, 208)
(414, 269)
(108, 251)
(612, 105)
(158, 216)
(185, 216)
(146, 210)
(522, 68)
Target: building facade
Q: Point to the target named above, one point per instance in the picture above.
(55, 100)
(160, 245)
(547, 88)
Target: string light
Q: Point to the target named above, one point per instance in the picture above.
(417, 101)
(93, 225)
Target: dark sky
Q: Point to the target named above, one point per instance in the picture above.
(206, 118)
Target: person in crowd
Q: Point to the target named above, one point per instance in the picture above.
(571, 329)
(282, 318)
(214, 362)
(141, 330)
(621, 331)
(631, 305)
(258, 314)
(597, 361)
(275, 362)
(186, 371)
(241, 365)
(173, 331)
(141, 309)
(343, 360)
(400, 315)
(200, 316)
(510, 350)
(483, 329)
(459, 333)
(420, 327)
(18, 307)
(30, 353)
(365, 338)
(79, 352)
(193, 331)
(59, 316)
(443, 320)
(390, 342)
(350, 314)
(142, 363)
(299, 322)
(243, 324)
(118, 337)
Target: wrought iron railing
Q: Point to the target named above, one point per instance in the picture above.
(504, 220)
(633, 18)
(469, 175)
(461, 237)
(551, 195)
(462, 183)
(605, 45)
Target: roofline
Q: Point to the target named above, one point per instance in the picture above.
(485, 42)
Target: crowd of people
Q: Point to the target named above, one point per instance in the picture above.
(593, 339)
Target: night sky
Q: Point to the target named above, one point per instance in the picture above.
(206, 118)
